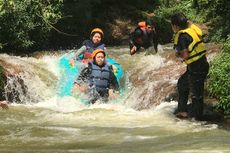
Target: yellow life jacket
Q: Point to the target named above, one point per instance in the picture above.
(196, 48)
(197, 29)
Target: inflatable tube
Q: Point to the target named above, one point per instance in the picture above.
(69, 73)
(119, 73)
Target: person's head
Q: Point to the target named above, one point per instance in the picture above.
(146, 25)
(96, 35)
(98, 56)
(179, 22)
(150, 25)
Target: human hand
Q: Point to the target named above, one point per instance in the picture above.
(179, 60)
(79, 88)
(72, 62)
(114, 68)
(133, 50)
(112, 94)
(4, 105)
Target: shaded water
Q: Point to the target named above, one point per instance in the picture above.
(64, 125)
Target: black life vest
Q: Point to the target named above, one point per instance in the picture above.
(99, 77)
(90, 47)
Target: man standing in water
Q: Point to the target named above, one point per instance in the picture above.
(191, 50)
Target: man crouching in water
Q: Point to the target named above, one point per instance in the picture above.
(145, 35)
(97, 79)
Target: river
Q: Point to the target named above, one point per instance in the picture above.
(46, 123)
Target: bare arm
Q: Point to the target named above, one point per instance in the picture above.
(80, 51)
(113, 82)
(114, 87)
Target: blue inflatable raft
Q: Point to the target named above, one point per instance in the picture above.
(69, 73)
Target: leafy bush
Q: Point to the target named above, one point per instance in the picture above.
(219, 81)
(186, 7)
(226, 47)
(164, 12)
(218, 15)
(25, 23)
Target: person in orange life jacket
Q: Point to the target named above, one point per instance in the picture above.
(191, 49)
(145, 35)
(97, 79)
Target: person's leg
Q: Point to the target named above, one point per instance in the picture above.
(155, 41)
(197, 89)
(105, 99)
(104, 96)
(183, 91)
(149, 48)
(93, 96)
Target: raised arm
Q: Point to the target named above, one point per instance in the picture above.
(80, 51)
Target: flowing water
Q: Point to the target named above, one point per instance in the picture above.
(46, 123)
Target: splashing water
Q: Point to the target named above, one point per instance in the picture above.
(46, 123)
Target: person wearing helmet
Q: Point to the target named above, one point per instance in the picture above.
(89, 45)
(145, 35)
(190, 49)
(97, 79)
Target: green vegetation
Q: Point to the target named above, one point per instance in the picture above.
(37, 25)
(219, 81)
(219, 14)
(25, 24)
(167, 8)
(80, 17)
(187, 7)
(215, 13)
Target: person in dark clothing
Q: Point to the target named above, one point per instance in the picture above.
(95, 42)
(191, 50)
(145, 35)
(89, 45)
(97, 79)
